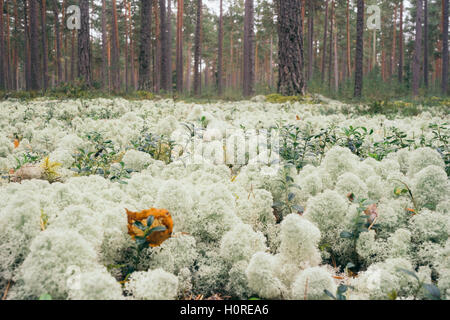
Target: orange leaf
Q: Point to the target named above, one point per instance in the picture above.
(162, 218)
(16, 143)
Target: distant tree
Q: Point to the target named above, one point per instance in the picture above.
(2, 51)
(445, 47)
(34, 46)
(198, 49)
(416, 63)
(249, 49)
(220, 52)
(179, 53)
(359, 49)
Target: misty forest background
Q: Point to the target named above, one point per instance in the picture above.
(225, 48)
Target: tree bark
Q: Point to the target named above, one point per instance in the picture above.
(34, 47)
(291, 80)
(249, 49)
(416, 63)
(400, 49)
(59, 70)
(115, 52)
(105, 69)
(2, 51)
(445, 49)
(44, 44)
(127, 48)
(325, 32)
(168, 52)
(179, 62)
(349, 58)
(359, 50)
(311, 39)
(220, 52)
(164, 43)
(197, 49)
(144, 46)
(425, 43)
(84, 46)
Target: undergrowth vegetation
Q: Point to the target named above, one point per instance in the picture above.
(339, 201)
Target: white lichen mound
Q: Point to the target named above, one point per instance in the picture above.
(311, 284)
(153, 285)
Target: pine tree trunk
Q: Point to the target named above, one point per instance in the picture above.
(132, 53)
(249, 49)
(16, 47)
(349, 58)
(84, 47)
(336, 62)
(220, 52)
(164, 42)
(445, 49)
(400, 49)
(105, 69)
(359, 50)
(157, 56)
(168, 52)
(115, 52)
(27, 55)
(291, 80)
(144, 46)
(2, 51)
(34, 46)
(59, 70)
(179, 48)
(9, 77)
(425, 44)
(197, 49)
(324, 51)
(416, 63)
(311, 40)
(44, 44)
(127, 48)
(394, 42)
(72, 59)
(330, 57)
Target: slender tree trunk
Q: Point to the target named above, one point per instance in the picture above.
(416, 63)
(72, 59)
(188, 67)
(84, 47)
(105, 69)
(163, 39)
(2, 51)
(27, 55)
(394, 42)
(59, 70)
(249, 49)
(291, 80)
(359, 50)
(127, 48)
(34, 46)
(311, 39)
(9, 75)
(16, 47)
(168, 52)
(325, 32)
(220, 52)
(197, 49)
(336, 63)
(400, 49)
(425, 44)
(144, 46)
(180, 12)
(445, 49)
(132, 53)
(44, 44)
(115, 52)
(330, 57)
(349, 58)
(157, 56)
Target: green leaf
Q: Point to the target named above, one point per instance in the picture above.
(411, 273)
(291, 196)
(155, 229)
(45, 296)
(140, 225)
(150, 220)
(328, 293)
(433, 292)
